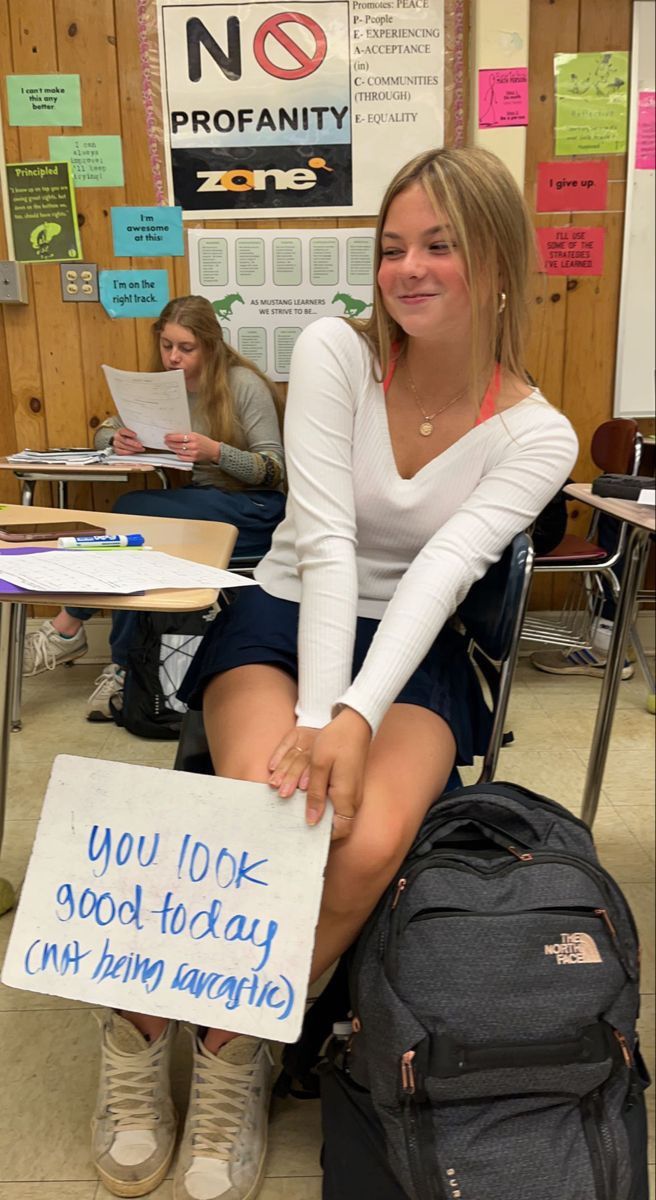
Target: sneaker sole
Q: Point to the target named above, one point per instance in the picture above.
(97, 715)
(141, 1187)
(61, 662)
(593, 672)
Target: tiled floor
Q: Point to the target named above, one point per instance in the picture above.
(48, 1046)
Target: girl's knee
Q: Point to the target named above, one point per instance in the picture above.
(359, 870)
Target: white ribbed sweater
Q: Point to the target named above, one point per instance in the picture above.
(359, 540)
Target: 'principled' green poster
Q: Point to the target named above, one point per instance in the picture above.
(43, 212)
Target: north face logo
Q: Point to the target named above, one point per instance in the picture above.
(574, 948)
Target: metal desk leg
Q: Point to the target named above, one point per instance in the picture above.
(17, 668)
(161, 475)
(636, 548)
(62, 493)
(27, 491)
(8, 615)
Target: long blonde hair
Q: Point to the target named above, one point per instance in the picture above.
(491, 226)
(216, 404)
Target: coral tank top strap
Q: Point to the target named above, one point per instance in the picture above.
(488, 407)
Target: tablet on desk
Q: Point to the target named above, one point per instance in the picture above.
(46, 531)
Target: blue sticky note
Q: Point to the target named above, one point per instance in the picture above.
(134, 293)
(147, 232)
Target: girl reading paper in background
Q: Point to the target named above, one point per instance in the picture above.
(238, 473)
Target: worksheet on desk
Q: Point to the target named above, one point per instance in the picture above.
(150, 403)
(117, 572)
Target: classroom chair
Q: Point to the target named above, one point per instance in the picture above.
(615, 448)
(491, 616)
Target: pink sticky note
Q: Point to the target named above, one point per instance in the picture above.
(572, 186)
(645, 159)
(503, 97)
(572, 250)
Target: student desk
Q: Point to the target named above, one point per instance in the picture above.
(642, 525)
(208, 542)
(32, 473)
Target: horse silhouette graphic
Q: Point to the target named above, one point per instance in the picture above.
(352, 307)
(223, 308)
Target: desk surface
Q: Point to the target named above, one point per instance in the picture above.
(623, 510)
(207, 542)
(33, 468)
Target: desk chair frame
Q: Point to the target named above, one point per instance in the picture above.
(616, 448)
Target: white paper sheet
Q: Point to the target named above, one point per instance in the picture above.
(150, 460)
(151, 403)
(119, 572)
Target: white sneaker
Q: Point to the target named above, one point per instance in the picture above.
(223, 1149)
(46, 649)
(133, 1128)
(109, 684)
(577, 662)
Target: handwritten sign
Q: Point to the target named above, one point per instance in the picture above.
(572, 186)
(502, 97)
(571, 250)
(173, 894)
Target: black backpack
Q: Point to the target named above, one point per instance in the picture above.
(495, 997)
(163, 647)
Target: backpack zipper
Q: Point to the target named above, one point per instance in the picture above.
(425, 1182)
(601, 1145)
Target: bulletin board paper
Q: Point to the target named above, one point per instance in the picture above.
(272, 113)
(147, 232)
(267, 285)
(572, 250)
(44, 100)
(95, 161)
(572, 186)
(502, 97)
(133, 293)
(179, 895)
(43, 212)
(591, 103)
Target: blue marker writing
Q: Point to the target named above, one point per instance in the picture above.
(101, 541)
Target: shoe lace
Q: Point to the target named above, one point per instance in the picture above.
(132, 1085)
(222, 1091)
(42, 651)
(108, 683)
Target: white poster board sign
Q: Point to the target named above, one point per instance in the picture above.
(266, 285)
(172, 894)
(270, 112)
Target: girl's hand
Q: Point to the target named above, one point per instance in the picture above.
(126, 442)
(329, 764)
(193, 447)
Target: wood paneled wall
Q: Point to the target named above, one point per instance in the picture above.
(52, 391)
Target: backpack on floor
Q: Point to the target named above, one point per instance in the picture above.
(495, 997)
(164, 646)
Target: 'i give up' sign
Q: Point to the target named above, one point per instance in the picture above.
(172, 894)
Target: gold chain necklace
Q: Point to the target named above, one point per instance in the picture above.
(426, 427)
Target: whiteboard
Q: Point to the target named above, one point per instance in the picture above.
(634, 379)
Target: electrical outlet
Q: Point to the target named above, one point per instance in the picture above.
(13, 283)
(79, 283)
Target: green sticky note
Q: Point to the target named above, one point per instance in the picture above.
(591, 102)
(95, 161)
(44, 100)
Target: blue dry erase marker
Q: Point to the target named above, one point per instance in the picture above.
(101, 541)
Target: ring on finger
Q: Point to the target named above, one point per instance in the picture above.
(343, 817)
(301, 749)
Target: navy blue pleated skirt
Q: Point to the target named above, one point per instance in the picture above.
(259, 628)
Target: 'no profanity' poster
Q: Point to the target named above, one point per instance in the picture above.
(297, 112)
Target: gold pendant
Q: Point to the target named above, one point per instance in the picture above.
(426, 428)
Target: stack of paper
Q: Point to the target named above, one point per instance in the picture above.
(147, 460)
(118, 572)
(67, 456)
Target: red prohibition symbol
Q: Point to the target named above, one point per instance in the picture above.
(273, 27)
